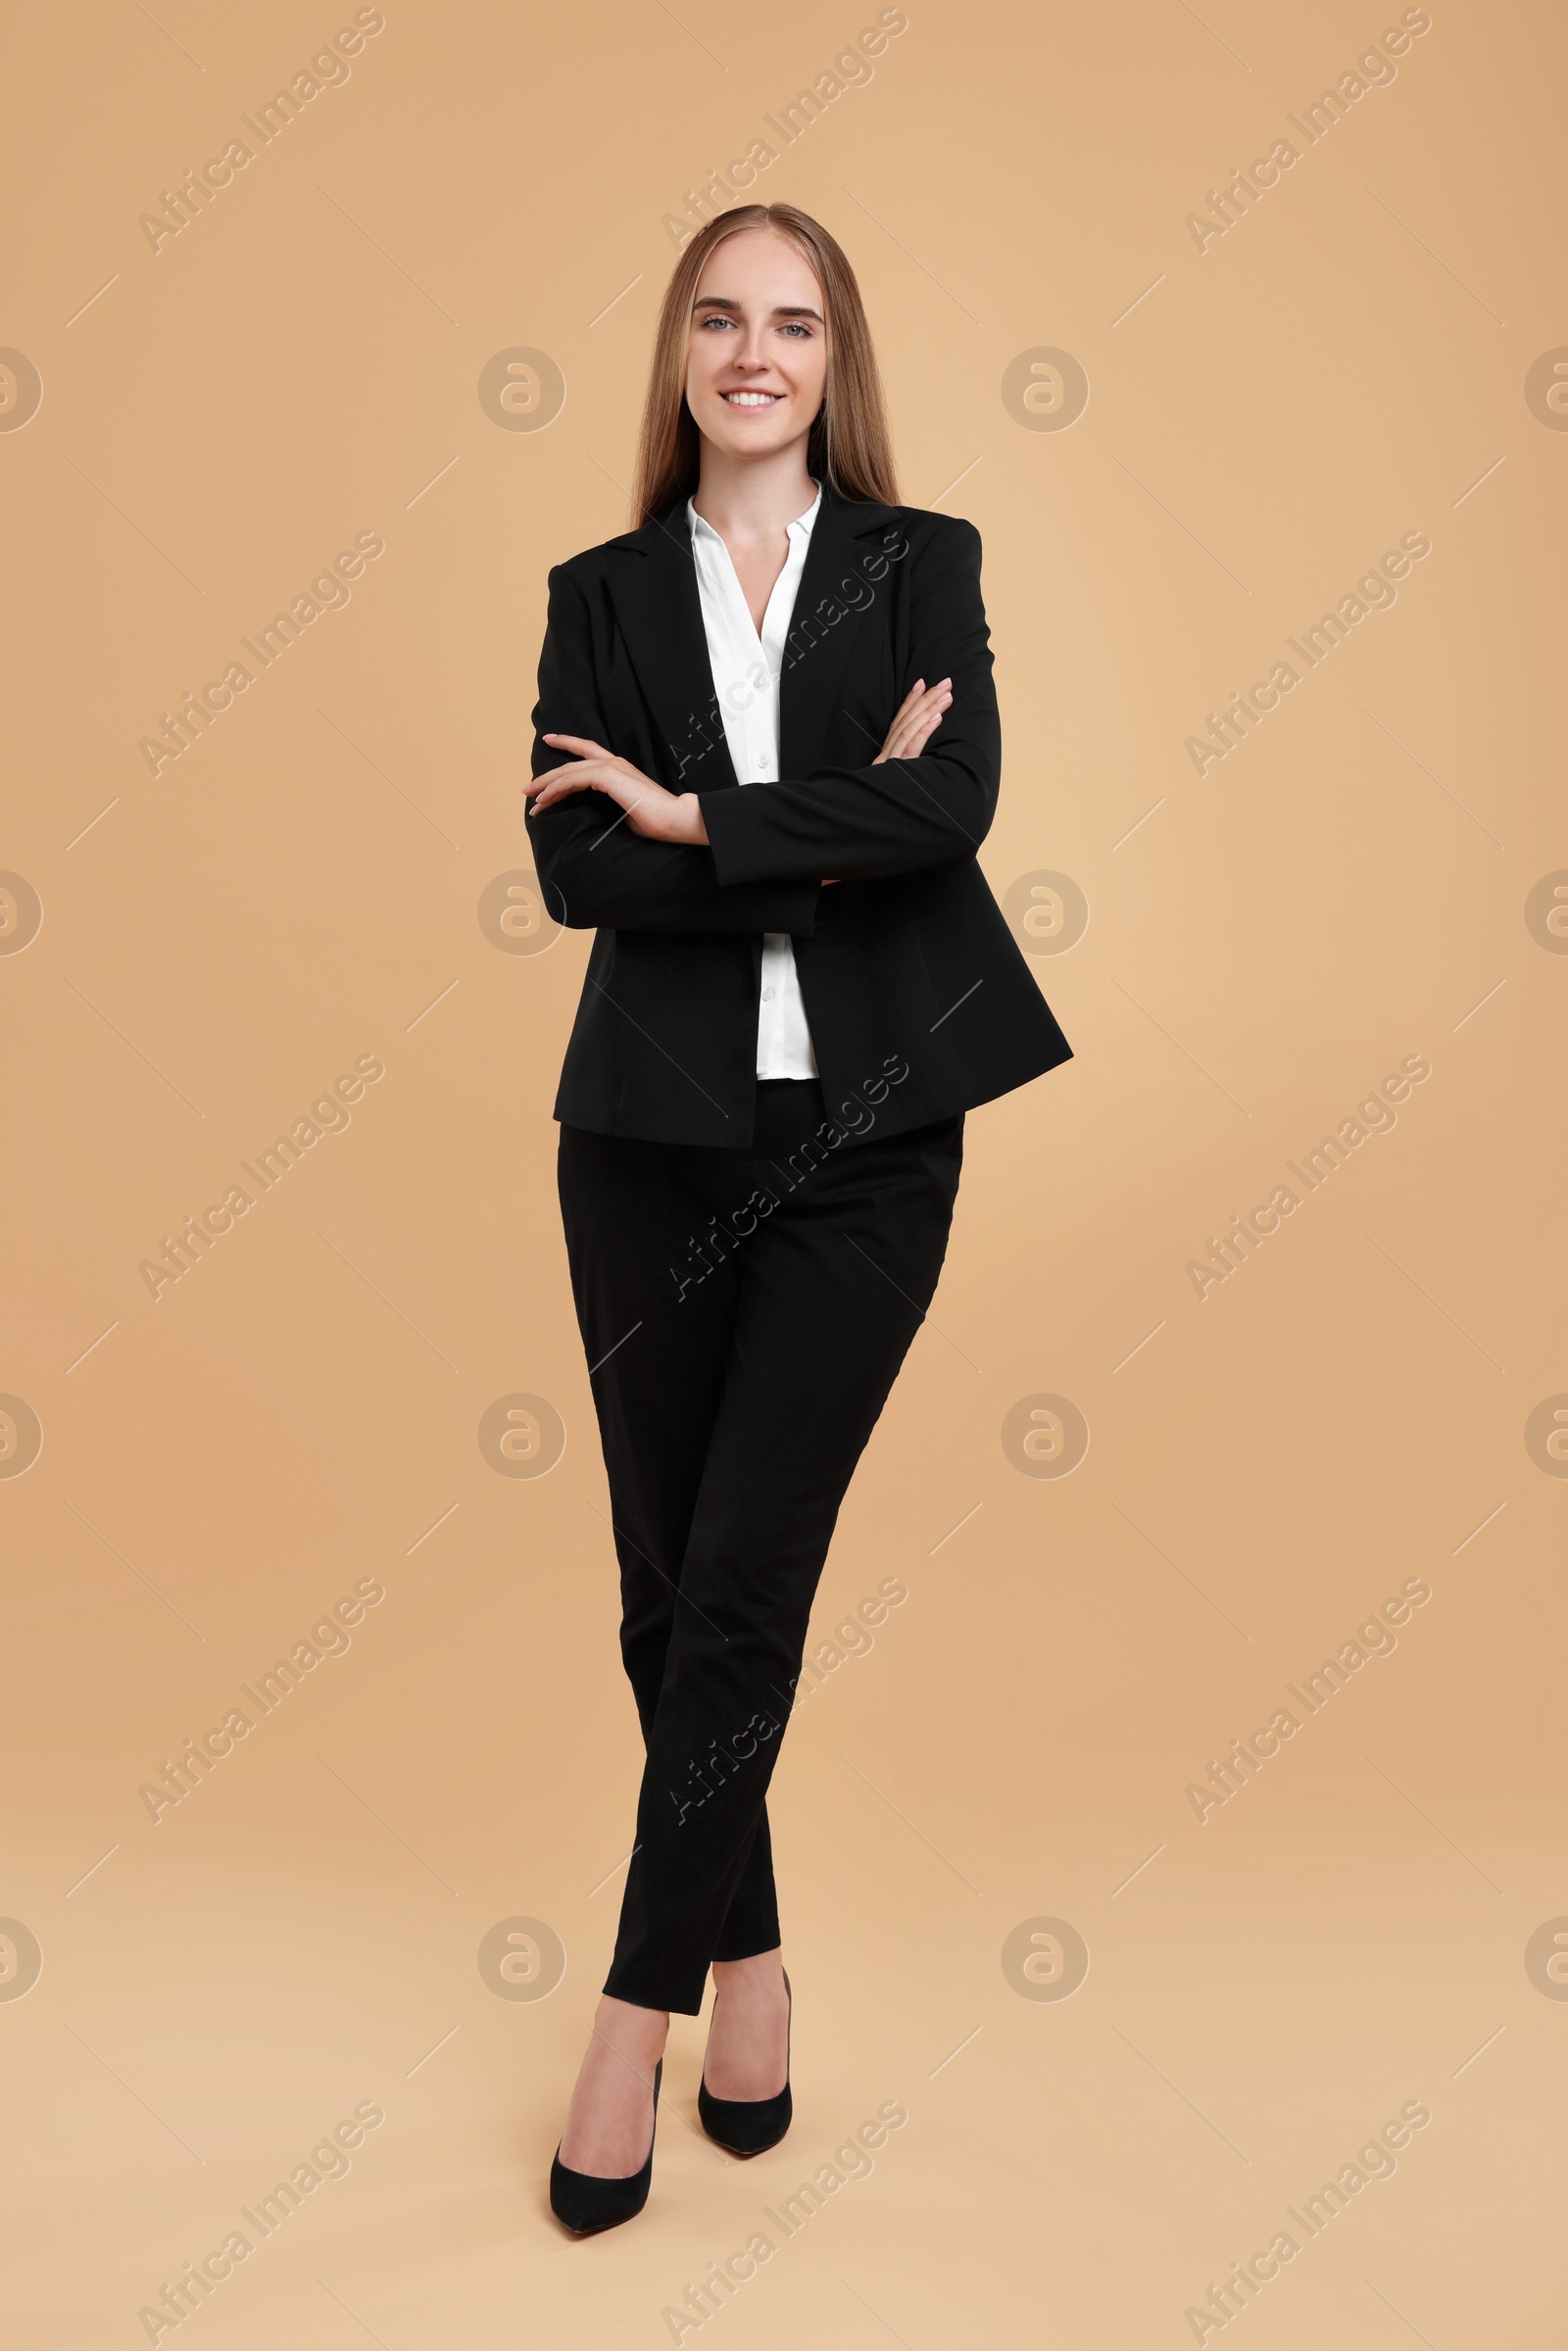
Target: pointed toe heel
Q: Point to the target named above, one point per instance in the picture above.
(585, 2203)
(749, 2126)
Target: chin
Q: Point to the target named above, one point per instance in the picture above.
(751, 444)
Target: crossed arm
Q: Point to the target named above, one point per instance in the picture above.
(616, 848)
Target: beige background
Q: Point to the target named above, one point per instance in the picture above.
(1348, 887)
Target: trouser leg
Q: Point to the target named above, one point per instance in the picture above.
(630, 1210)
(821, 1302)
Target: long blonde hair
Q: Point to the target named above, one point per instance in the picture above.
(848, 446)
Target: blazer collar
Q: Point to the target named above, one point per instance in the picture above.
(856, 518)
(659, 609)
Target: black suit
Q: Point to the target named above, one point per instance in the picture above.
(907, 959)
(746, 1285)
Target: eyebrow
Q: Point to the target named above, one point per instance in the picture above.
(782, 310)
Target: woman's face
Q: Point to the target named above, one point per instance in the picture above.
(757, 357)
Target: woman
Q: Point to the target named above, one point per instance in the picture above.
(767, 753)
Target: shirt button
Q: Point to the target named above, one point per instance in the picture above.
(768, 995)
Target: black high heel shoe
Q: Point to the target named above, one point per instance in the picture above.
(750, 2126)
(585, 2203)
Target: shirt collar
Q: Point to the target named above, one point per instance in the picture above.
(703, 529)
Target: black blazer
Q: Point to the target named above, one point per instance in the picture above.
(918, 997)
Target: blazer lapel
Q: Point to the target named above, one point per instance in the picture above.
(660, 610)
(824, 626)
(660, 614)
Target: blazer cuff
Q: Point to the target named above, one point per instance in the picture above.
(739, 848)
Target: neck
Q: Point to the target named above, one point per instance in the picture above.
(753, 498)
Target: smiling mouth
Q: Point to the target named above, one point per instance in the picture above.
(753, 400)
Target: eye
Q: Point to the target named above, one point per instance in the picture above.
(797, 328)
(716, 319)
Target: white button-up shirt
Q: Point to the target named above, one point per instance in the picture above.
(746, 675)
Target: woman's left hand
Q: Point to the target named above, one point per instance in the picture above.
(650, 810)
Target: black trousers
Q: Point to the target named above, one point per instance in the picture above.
(745, 1314)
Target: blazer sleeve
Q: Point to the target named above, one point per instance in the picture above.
(866, 823)
(594, 871)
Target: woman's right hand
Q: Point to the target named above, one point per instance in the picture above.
(917, 720)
